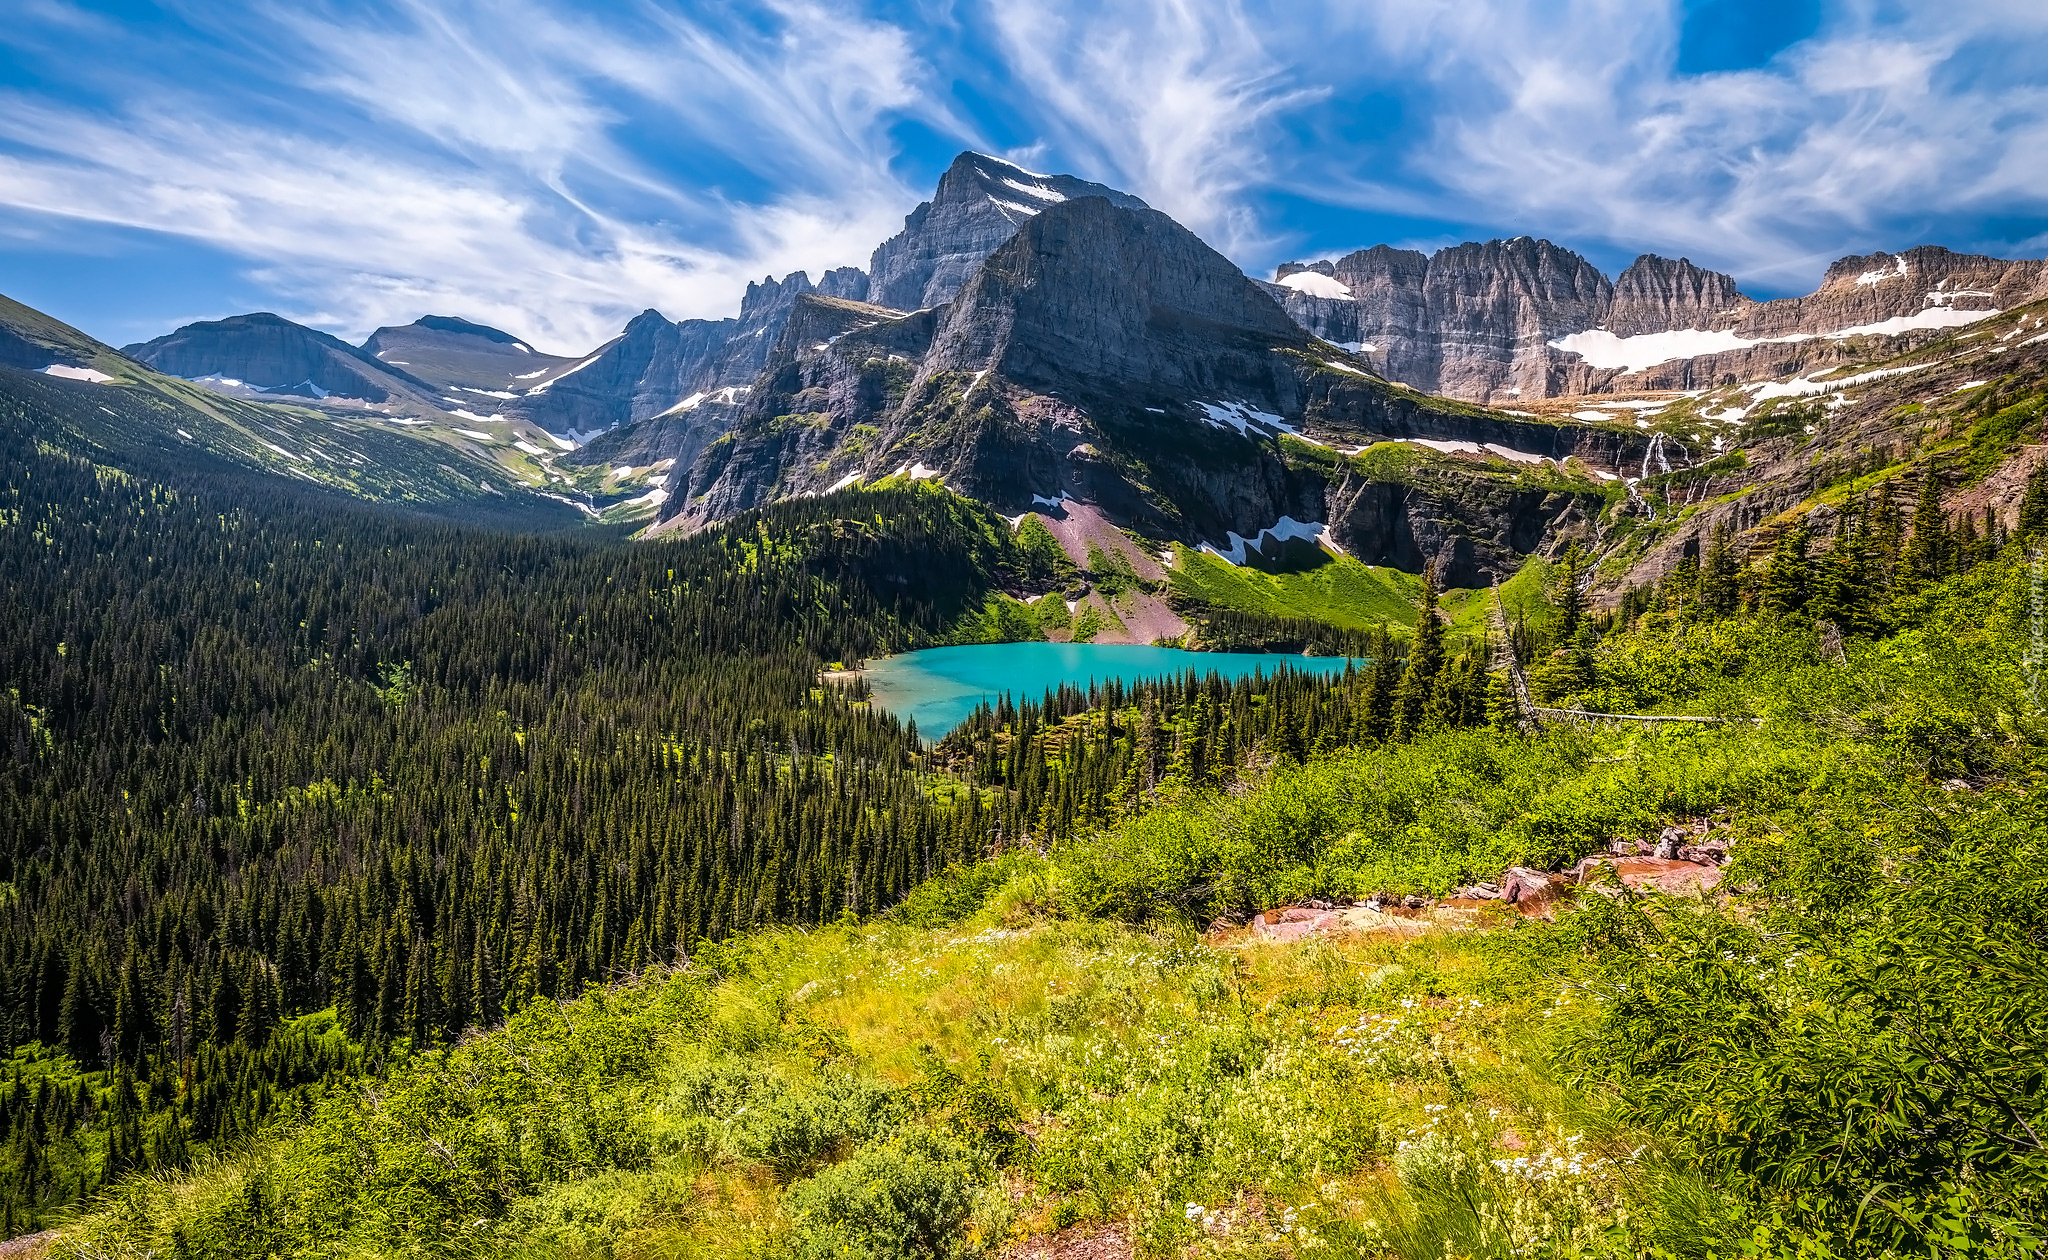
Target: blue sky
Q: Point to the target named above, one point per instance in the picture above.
(553, 168)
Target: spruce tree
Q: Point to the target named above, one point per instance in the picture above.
(1425, 658)
(1718, 586)
(2033, 521)
(1925, 555)
(1787, 582)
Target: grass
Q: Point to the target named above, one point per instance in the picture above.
(1045, 1040)
(1342, 1094)
(1340, 591)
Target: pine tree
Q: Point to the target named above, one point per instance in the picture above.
(2033, 520)
(1425, 658)
(1925, 556)
(1718, 589)
(1787, 582)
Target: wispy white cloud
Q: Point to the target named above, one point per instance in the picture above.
(1173, 100)
(1572, 117)
(492, 174)
(556, 170)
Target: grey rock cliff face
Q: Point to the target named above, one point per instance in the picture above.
(1494, 308)
(1873, 288)
(980, 203)
(1472, 321)
(1106, 355)
(643, 375)
(1658, 295)
(1475, 321)
(1094, 292)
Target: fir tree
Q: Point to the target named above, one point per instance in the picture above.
(1425, 658)
(2033, 519)
(1569, 598)
(1788, 581)
(1718, 588)
(1925, 555)
(1383, 680)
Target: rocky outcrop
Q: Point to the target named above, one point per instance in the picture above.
(275, 355)
(663, 373)
(1872, 289)
(637, 375)
(980, 203)
(1472, 321)
(1482, 321)
(1104, 356)
(1657, 295)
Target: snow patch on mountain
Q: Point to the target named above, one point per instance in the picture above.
(1603, 349)
(1932, 317)
(1488, 448)
(1316, 284)
(70, 373)
(1283, 530)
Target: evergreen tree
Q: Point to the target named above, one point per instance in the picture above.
(1569, 597)
(1383, 681)
(1847, 592)
(1718, 588)
(1425, 658)
(1787, 582)
(2033, 519)
(1681, 585)
(1925, 555)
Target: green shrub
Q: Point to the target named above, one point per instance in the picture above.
(905, 1199)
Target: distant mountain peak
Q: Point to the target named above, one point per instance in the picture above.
(980, 203)
(463, 327)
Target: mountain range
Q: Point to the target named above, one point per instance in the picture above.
(1055, 346)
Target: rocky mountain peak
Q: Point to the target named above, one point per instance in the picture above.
(1096, 290)
(979, 203)
(1658, 294)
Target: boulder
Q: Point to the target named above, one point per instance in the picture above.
(1529, 891)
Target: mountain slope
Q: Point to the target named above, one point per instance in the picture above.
(1104, 360)
(454, 354)
(1838, 442)
(270, 354)
(89, 400)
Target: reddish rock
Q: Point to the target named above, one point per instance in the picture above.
(1292, 923)
(1529, 891)
(1667, 875)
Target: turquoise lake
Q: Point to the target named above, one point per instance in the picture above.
(939, 687)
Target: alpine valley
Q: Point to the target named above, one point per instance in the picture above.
(443, 811)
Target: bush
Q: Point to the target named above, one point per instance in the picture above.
(909, 1197)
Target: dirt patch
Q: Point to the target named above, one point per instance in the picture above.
(1077, 525)
(1147, 617)
(30, 1245)
(1076, 1242)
